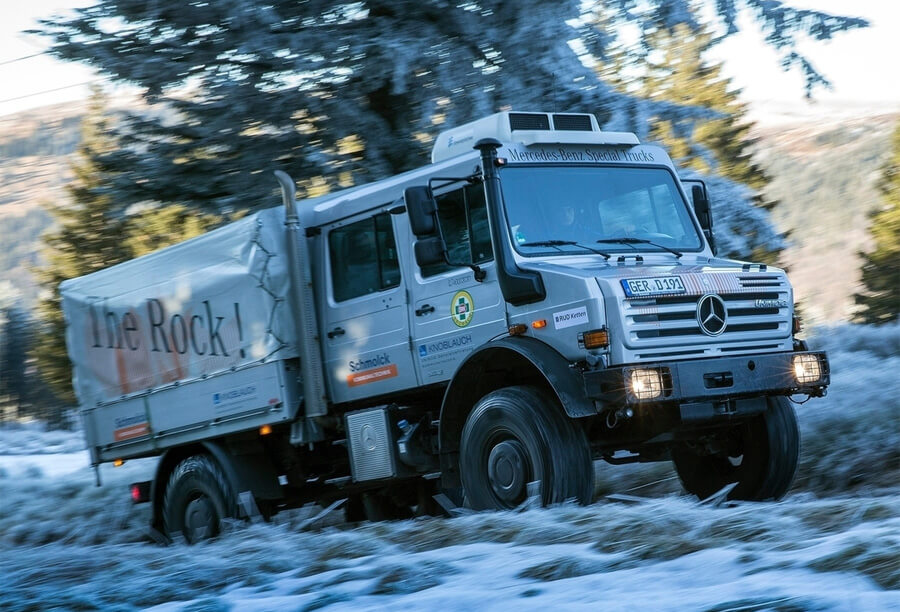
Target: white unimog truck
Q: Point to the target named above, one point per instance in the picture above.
(542, 295)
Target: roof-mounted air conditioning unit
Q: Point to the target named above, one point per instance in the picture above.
(528, 129)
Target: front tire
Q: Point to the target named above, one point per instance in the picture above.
(760, 455)
(518, 435)
(198, 496)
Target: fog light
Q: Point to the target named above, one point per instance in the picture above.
(646, 384)
(807, 369)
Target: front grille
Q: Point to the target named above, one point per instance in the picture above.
(529, 121)
(760, 280)
(667, 325)
(573, 123)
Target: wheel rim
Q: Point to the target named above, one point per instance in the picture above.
(200, 519)
(508, 471)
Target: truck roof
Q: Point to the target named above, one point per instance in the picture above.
(354, 200)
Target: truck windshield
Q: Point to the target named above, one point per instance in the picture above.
(555, 209)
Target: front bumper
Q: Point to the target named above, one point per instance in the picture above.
(709, 380)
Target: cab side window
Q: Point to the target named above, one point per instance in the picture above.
(363, 258)
(464, 223)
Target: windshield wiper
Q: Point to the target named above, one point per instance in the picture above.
(558, 243)
(633, 241)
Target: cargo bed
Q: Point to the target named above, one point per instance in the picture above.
(148, 423)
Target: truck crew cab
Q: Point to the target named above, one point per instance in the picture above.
(544, 294)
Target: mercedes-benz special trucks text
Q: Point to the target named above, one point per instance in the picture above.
(477, 331)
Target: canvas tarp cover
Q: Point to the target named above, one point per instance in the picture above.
(204, 306)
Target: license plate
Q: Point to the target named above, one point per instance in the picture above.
(654, 285)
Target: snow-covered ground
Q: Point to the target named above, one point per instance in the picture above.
(832, 544)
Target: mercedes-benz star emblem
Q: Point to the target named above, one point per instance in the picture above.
(367, 436)
(711, 314)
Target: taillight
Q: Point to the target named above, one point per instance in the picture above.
(140, 492)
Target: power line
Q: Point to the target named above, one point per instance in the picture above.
(38, 93)
(19, 59)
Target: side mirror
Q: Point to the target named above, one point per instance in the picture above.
(429, 251)
(421, 207)
(700, 198)
(701, 206)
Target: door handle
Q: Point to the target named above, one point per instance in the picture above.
(337, 331)
(425, 309)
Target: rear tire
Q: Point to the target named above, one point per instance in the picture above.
(198, 496)
(518, 435)
(761, 456)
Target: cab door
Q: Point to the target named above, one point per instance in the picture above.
(451, 312)
(365, 325)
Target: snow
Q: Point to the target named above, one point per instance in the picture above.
(832, 544)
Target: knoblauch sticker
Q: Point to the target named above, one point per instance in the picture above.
(369, 376)
(570, 318)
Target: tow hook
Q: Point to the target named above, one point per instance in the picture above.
(622, 414)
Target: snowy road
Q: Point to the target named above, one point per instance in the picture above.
(832, 544)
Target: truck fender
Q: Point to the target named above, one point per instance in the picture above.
(509, 361)
(244, 473)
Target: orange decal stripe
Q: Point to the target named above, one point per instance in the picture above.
(369, 376)
(135, 431)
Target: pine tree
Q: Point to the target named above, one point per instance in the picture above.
(14, 337)
(880, 298)
(683, 75)
(89, 237)
(157, 228)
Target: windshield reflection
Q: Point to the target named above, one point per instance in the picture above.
(561, 210)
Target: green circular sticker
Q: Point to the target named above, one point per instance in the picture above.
(462, 307)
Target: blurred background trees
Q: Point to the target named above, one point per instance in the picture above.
(338, 94)
(88, 238)
(23, 392)
(671, 65)
(880, 299)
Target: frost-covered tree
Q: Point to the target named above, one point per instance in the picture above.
(337, 93)
(880, 298)
(20, 385)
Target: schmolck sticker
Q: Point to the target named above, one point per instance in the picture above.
(372, 369)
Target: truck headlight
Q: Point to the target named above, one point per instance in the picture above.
(807, 368)
(645, 384)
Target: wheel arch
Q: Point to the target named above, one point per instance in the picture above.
(503, 363)
(244, 473)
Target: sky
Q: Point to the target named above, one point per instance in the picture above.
(853, 61)
(861, 64)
